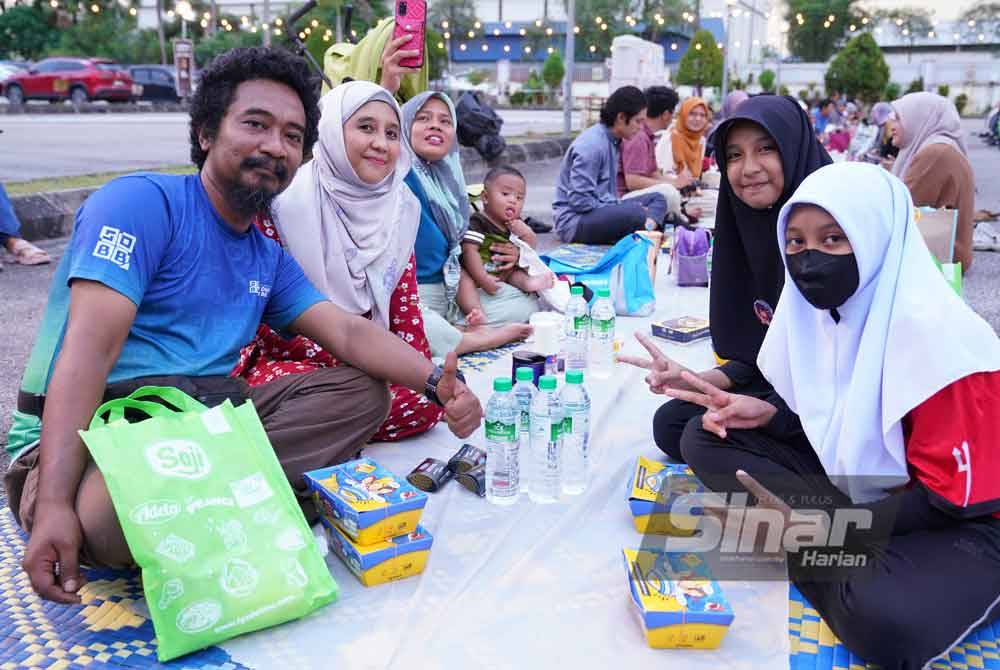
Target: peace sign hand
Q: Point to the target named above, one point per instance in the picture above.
(725, 410)
(664, 372)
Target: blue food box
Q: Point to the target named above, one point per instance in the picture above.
(398, 558)
(679, 605)
(652, 490)
(366, 501)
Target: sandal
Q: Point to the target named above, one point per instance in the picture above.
(26, 253)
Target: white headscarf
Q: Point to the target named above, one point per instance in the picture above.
(903, 336)
(926, 118)
(351, 238)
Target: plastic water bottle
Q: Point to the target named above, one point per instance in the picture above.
(546, 442)
(602, 335)
(576, 434)
(501, 445)
(524, 393)
(577, 330)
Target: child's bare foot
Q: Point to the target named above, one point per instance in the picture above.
(485, 338)
(476, 317)
(540, 283)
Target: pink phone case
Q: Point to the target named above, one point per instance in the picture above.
(411, 19)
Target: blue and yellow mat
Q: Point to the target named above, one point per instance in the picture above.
(110, 630)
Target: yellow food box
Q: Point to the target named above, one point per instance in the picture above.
(374, 564)
(679, 605)
(653, 489)
(366, 501)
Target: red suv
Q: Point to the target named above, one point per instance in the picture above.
(76, 79)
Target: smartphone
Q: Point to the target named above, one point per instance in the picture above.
(411, 19)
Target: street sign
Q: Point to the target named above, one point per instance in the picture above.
(184, 66)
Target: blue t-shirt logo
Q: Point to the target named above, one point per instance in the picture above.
(115, 246)
(257, 289)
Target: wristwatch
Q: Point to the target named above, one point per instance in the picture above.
(430, 386)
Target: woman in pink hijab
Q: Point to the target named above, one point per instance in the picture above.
(933, 161)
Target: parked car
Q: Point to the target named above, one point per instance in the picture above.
(155, 82)
(75, 79)
(6, 72)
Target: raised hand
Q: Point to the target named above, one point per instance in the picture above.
(462, 410)
(725, 410)
(664, 372)
(392, 71)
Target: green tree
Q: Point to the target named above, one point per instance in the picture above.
(553, 71)
(783, 90)
(961, 100)
(859, 70)
(455, 17)
(767, 81)
(476, 77)
(943, 90)
(702, 62)
(599, 22)
(26, 32)
(811, 35)
(437, 53)
(916, 86)
(207, 49)
(910, 23)
(986, 15)
(892, 91)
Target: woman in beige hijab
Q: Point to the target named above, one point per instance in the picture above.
(933, 162)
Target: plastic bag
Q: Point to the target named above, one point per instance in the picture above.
(209, 518)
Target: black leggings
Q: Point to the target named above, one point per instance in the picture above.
(609, 224)
(928, 585)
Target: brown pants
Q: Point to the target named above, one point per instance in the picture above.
(313, 420)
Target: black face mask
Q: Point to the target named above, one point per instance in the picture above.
(826, 280)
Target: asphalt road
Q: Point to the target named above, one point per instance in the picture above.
(35, 146)
(23, 290)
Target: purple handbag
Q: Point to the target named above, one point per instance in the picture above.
(691, 254)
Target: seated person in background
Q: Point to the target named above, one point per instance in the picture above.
(503, 199)
(682, 149)
(586, 207)
(639, 174)
(165, 279)
(823, 116)
(23, 251)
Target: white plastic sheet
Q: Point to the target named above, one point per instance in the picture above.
(528, 586)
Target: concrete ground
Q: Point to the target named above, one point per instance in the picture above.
(23, 290)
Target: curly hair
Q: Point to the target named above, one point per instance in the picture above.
(627, 100)
(221, 78)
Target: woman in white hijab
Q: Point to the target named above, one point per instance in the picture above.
(895, 380)
(351, 222)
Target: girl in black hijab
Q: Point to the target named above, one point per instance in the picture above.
(765, 150)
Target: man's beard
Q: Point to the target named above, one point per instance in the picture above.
(251, 200)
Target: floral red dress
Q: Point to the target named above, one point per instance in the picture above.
(270, 356)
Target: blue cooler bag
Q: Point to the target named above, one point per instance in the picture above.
(623, 270)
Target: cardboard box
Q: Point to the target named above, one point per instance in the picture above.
(679, 605)
(387, 561)
(682, 330)
(653, 488)
(366, 501)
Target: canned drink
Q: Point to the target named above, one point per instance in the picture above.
(474, 479)
(466, 458)
(430, 475)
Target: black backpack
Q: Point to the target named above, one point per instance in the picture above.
(479, 127)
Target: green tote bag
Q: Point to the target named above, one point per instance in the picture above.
(209, 518)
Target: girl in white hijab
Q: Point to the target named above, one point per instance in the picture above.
(895, 380)
(352, 237)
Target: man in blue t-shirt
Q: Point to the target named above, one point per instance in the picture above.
(165, 279)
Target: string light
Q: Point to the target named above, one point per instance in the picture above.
(462, 46)
(506, 48)
(604, 26)
(277, 31)
(548, 31)
(698, 46)
(598, 20)
(478, 25)
(444, 24)
(972, 23)
(864, 21)
(447, 35)
(507, 24)
(930, 34)
(302, 36)
(982, 37)
(229, 29)
(538, 23)
(899, 22)
(522, 32)
(254, 29)
(95, 8)
(440, 46)
(831, 18)
(550, 49)
(826, 24)
(527, 50)
(314, 23)
(170, 14)
(496, 32)
(576, 30)
(853, 28)
(265, 26)
(204, 23)
(279, 22)
(673, 46)
(592, 48)
(131, 10)
(484, 48)
(472, 34)
(906, 31)
(206, 16)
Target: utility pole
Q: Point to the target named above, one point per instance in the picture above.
(266, 21)
(570, 68)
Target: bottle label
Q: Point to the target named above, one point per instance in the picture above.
(500, 431)
(556, 432)
(581, 322)
(525, 421)
(567, 426)
(604, 326)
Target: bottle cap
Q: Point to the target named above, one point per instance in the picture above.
(576, 290)
(547, 383)
(525, 375)
(604, 292)
(574, 377)
(502, 384)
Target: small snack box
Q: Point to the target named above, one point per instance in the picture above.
(366, 501)
(679, 605)
(387, 561)
(683, 330)
(652, 491)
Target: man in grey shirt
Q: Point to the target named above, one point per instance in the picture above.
(587, 208)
